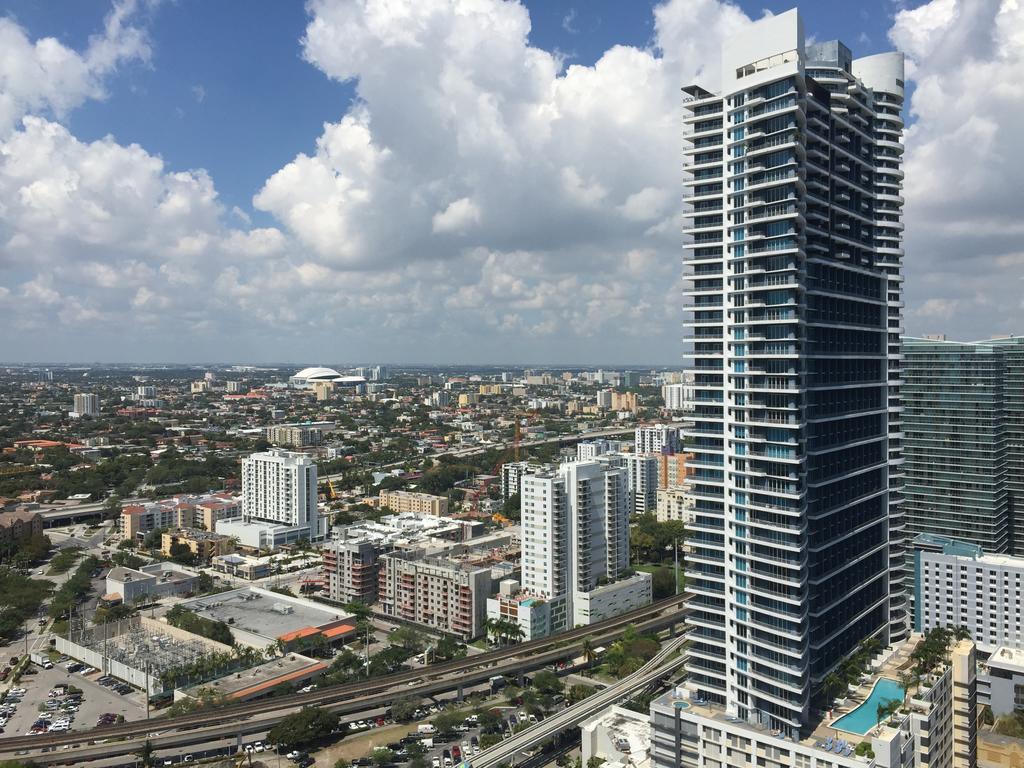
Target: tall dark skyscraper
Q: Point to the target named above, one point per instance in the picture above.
(793, 255)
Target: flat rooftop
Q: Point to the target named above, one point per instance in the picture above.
(1007, 658)
(262, 612)
(260, 679)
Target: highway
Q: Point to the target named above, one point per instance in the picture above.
(349, 698)
(663, 663)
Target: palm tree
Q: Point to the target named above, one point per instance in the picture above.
(587, 649)
(908, 680)
(832, 686)
(146, 754)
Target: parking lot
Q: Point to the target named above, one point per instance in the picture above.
(96, 700)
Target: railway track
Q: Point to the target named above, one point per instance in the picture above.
(365, 691)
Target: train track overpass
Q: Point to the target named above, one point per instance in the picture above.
(257, 716)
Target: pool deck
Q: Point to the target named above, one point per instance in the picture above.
(897, 661)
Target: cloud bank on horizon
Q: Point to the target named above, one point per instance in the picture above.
(481, 200)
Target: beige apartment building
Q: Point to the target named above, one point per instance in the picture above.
(202, 544)
(444, 595)
(419, 503)
(17, 526)
(177, 512)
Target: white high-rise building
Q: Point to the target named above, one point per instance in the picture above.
(678, 397)
(279, 487)
(793, 239)
(591, 449)
(145, 392)
(643, 481)
(575, 522)
(658, 438)
(87, 404)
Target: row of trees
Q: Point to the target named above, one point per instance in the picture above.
(74, 589)
(22, 597)
(504, 631)
(27, 553)
(199, 625)
(214, 665)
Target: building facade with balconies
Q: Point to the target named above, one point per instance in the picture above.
(794, 264)
(442, 594)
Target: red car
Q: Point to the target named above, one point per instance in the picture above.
(456, 753)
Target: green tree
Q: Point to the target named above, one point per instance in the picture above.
(449, 720)
(382, 756)
(512, 506)
(181, 554)
(402, 710)
(204, 583)
(308, 725)
(547, 682)
(579, 692)
(147, 754)
(408, 639)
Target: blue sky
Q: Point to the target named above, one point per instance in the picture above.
(421, 180)
(229, 91)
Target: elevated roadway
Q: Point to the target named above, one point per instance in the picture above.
(665, 662)
(77, 747)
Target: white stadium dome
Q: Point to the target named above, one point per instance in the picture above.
(308, 376)
(318, 374)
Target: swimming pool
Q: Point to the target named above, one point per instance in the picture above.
(865, 717)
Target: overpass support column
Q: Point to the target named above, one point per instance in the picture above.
(459, 694)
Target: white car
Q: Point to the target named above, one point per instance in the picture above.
(258, 746)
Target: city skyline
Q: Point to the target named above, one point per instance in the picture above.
(136, 233)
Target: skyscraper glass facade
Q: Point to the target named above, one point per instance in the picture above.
(793, 258)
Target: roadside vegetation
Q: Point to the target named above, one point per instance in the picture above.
(22, 597)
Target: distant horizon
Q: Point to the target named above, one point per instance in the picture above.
(87, 365)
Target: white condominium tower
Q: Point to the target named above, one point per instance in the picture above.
(657, 438)
(793, 259)
(279, 486)
(575, 532)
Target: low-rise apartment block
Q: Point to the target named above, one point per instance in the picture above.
(129, 585)
(186, 511)
(674, 504)
(402, 502)
(18, 526)
(351, 570)
(442, 594)
(242, 566)
(204, 545)
(531, 614)
(351, 560)
(295, 435)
